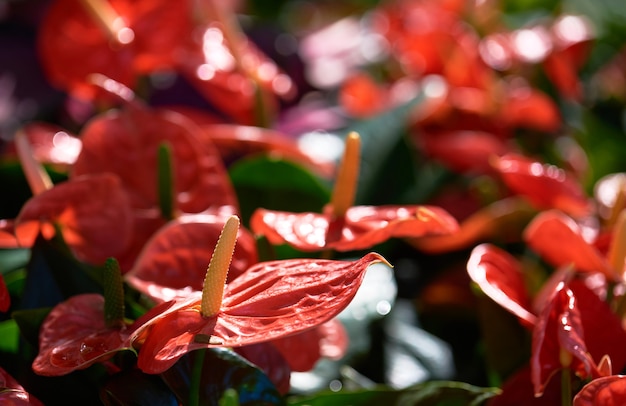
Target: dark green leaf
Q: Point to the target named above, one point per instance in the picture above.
(9, 336)
(166, 181)
(435, 393)
(385, 155)
(29, 322)
(222, 369)
(277, 185)
(146, 390)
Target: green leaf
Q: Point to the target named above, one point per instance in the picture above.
(222, 369)
(276, 184)
(9, 336)
(387, 168)
(229, 398)
(29, 321)
(434, 393)
(12, 259)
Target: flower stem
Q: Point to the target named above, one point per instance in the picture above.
(196, 376)
(566, 387)
(215, 279)
(344, 191)
(36, 176)
(165, 181)
(113, 294)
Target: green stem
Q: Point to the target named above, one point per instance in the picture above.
(566, 387)
(165, 181)
(113, 294)
(196, 377)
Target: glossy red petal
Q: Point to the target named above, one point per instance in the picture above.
(559, 329)
(517, 390)
(604, 333)
(208, 62)
(50, 144)
(525, 107)
(500, 277)
(73, 44)
(504, 220)
(546, 186)
(559, 240)
(270, 361)
(463, 151)
(13, 394)
(362, 228)
(173, 262)
(270, 300)
(605, 391)
(74, 336)
(126, 142)
(92, 211)
(5, 297)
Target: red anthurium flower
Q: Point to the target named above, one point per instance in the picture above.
(362, 227)
(545, 186)
(303, 350)
(463, 151)
(573, 327)
(13, 394)
(606, 391)
(75, 335)
(345, 228)
(560, 240)
(126, 142)
(500, 277)
(270, 300)
(228, 69)
(558, 341)
(504, 220)
(92, 211)
(50, 145)
(249, 313)
(172, 262)
(5, 298)
(235, 141)
(118, 38)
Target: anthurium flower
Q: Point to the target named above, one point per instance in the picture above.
(126, 142)
(75, 336)
(345, 228)
(572, 328)
(503, 220)
(13, 394)
(606, 390)
(119, 38)
(92, 212)
(85, 329)
(561, 241)
(268, 301)
(172, 262)
(545, 186)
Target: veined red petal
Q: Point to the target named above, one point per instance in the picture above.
(363, 226)
(13, 394)
(559, 240)
(173, 262)
(270, 300)
(606, 391)
(126, 142)
(499, 276)
(74, 336)
(559, 329)
(93, 212)
(546, 186)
